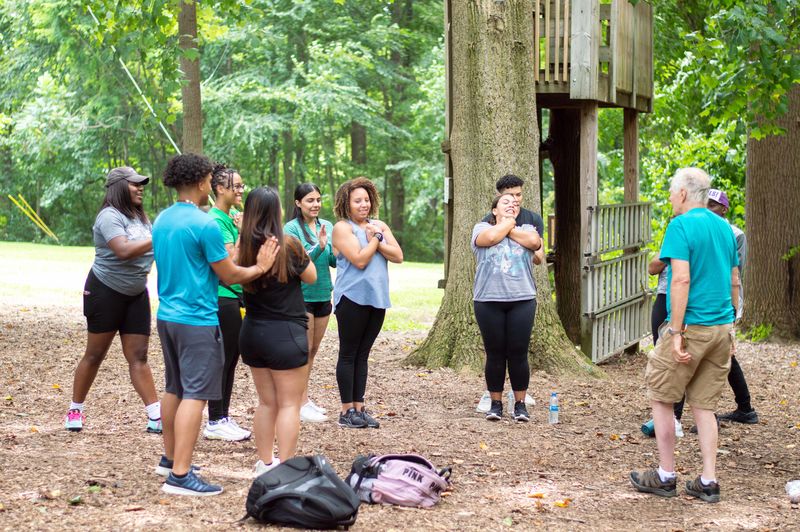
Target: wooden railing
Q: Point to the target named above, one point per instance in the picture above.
(594, 50)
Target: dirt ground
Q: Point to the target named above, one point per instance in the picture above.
(571, 476)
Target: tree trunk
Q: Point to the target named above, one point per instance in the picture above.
(190, 89)
(358, 144)
(494, 132)
(288, 172)
(772, 282)
(563, 146)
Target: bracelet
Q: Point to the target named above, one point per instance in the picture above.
(672, 331)
(379, 236)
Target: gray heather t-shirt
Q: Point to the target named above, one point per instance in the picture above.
(504, 271)
(662, 282)
(128, 277)
(741, 250)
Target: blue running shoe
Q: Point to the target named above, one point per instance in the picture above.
(191, 485)
(164, 467)
(154, 426)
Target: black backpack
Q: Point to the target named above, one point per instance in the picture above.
(303, 492)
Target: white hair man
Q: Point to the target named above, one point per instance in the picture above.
(693, 357)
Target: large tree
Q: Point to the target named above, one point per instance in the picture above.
(190, 66)
(494, 132)
(772, 277)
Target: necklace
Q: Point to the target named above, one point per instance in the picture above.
(188, 201)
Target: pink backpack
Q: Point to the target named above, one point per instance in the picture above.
(401, 479)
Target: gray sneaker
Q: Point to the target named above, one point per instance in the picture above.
(649, 482)
(352, 419)
(370, 421)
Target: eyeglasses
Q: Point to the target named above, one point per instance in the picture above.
(239, 187)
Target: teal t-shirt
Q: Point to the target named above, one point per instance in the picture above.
(229, 236)
(322, 257)
(707, 242)
(185, 243)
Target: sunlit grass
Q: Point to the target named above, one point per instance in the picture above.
(37, 274)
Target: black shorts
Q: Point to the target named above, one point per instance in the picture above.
(107, 310)
(273, 344)
(319, 309)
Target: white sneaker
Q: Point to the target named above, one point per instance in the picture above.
(223, 430)
(244, 432)
(311, 415)
(262, 468)
(485, 403)
(678, 428)
(316, 407)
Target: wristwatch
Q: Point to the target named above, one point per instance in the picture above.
(672, 331)
(379, 236)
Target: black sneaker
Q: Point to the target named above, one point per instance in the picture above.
(520, 412)
(649, 482)
(696, 488)
(495, 411)
(352, 419)
(740, 416)
(370, 421)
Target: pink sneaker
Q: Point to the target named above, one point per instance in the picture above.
(74, 420)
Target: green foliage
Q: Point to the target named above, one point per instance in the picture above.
(759, 333)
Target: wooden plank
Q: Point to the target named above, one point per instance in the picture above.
(448, 125)
(585, 38)
(536, 31)
(612, 62)
(630, 125)
(557, 40)
(547, 25)
(565, 75)
(588, 198)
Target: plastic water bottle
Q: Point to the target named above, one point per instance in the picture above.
(552, 413)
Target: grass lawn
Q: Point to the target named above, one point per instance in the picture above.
(37, 274)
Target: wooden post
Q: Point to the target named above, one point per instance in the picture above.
(630, 135)
(588, 198)
(448, 164)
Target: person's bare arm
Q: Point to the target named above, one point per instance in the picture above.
(538, 256)
(389, 248)
(125, 249)
(309, 275)
(345, 241)
(679, 297)
(229, 273)
(736, 284)
(527, 239)
(495, 233)
(656, 266)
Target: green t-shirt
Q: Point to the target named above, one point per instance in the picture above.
(229, 236)
(323, 259)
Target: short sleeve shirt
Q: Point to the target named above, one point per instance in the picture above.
(229, 236)
(129, 276)
(504, 272)
(186, 241)
(273, 300)
(707, 242)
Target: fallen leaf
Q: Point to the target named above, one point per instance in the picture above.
(2, 507)
(536, 495)
(95, 489)
(614, 437)
(483, 446)
(458, 461)
(562, 504)
(76, 501)
(508, 521)
(51, 494)
(34, 429)
(56, 386)
(134, 509)
(328, 386)
(9, 398)
(793, 363)
(422, 374)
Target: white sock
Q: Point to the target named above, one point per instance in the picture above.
(665, 475)
(705, 482)
(76, 406)
(154, 410)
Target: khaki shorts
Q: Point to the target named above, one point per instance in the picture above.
(702, 379)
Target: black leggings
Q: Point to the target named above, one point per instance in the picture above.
(359, 325)
(506, 330)
(658, 315)
(230, 323)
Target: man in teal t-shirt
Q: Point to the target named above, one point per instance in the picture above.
(694, 356)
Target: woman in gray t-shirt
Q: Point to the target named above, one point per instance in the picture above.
(115, 296)
(505, 301)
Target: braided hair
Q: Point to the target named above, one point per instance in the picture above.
(221, 176)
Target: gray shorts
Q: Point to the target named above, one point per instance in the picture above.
(193, 360)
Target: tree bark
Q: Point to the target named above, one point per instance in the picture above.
(772, 282)
(190, 89)
(358, 144)
(563, 146)
(494, 132)
(288, 171)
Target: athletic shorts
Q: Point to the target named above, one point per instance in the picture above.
(319, 309)
(107, 310)
(703, 378)
(193, 360)
(273, 344)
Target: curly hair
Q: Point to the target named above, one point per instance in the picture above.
(221, 176)
(341, 205)
(508, 181)
(187, 169)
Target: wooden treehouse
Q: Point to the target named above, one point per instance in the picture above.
(589, 55)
